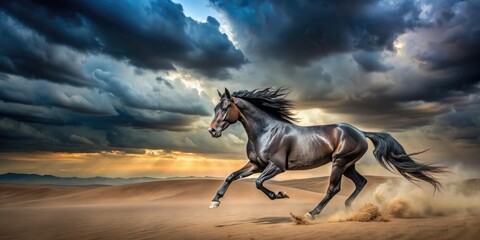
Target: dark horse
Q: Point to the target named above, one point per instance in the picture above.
(275, 145)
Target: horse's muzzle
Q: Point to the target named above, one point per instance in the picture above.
(214, 132)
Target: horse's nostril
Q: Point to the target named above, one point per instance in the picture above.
(211, 130)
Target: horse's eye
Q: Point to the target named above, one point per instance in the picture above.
(225, 106)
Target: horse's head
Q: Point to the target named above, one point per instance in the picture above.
(226, 113)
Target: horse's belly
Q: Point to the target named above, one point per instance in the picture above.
(305, 163)
(310, 151)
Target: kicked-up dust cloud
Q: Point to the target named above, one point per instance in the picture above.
(405, 200)
(368, 213)
(402, 199)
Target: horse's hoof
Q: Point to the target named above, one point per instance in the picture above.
(214, 204)
(284, 194)
(309, 216)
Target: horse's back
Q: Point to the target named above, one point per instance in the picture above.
(350, 131)
(335, 133)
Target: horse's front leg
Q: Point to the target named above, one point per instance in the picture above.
(269, 172)
(245, 171)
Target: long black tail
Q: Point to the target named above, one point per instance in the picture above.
(391, 155)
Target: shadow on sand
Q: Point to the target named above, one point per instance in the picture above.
(272, 220)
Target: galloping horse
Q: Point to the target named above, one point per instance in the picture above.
(275, 145)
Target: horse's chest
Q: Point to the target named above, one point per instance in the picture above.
(258, 154)
(264, 154)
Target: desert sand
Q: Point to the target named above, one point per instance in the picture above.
(178, 209)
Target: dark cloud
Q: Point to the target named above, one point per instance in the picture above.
(36, 114)
(461, 125)
(386, 114)
(152, 95)
(435, 71)
(23, 52)
(445, 56)
(42, 93)
(166, 82)
(33, 137)
(454, 45)
(148, 119)
(45, 116)
(314, 83)
(154, 35)
(149, 104)
(299, 32)
(211, 50)
(89, 135)
(371, 61)
(18, 136)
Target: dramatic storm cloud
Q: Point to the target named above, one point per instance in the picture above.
(370, 62)
(149, 34)
(302, 31)
(103, 78)
(73, 74)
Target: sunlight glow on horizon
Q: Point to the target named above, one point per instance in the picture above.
(152, 163)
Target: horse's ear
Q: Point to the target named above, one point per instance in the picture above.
(219, 93)
(227, 94)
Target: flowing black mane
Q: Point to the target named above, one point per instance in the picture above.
(272, 101)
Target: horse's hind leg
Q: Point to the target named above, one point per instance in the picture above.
(333, 189)
(351, 148)
(359, 182)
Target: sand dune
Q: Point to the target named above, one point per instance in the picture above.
(178, 209)
(177, 190)
(17, 193)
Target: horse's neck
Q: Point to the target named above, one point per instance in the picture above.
(254, 120)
